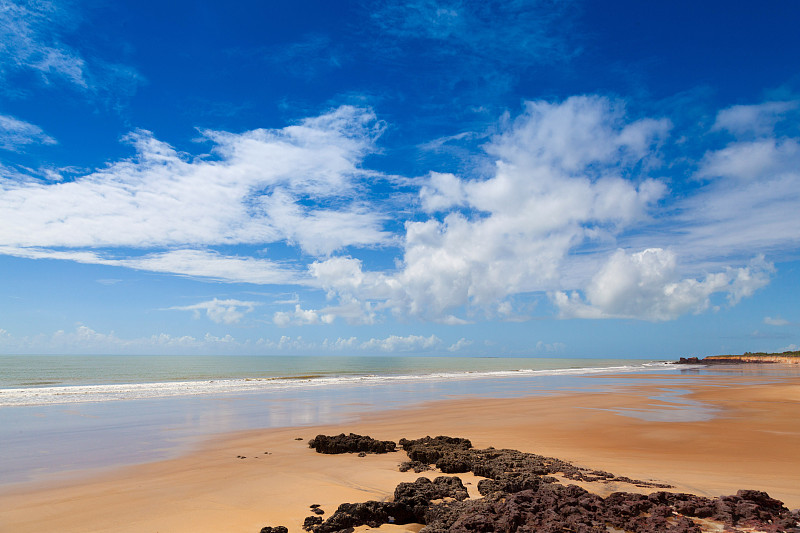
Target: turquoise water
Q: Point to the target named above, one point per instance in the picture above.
(44, 380)
(65, 370)
(61, 414)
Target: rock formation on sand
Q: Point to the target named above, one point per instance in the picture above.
(351, 443)
(521, 494)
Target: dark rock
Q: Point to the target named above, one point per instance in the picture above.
(318, 511)
(351, 443)
(519, 496)
(276, 529)
(429, 450)
(314, 505)
(417, 496)
(371, 513)
(511, 482)
(416, 466)
(311, 522)
(455, 455)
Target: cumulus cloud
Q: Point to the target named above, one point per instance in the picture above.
(459, 345)
(560, 180)
(647, 285)
(84, 339)
(340, 344)
(16, 133)
(550, 347)
(561, 186)
(228, 311)
(302, 317)
(395, 343)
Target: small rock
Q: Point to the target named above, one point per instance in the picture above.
(311, 522)
(276, 529)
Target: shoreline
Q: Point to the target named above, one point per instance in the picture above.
(749, 443)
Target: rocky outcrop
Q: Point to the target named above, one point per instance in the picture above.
(411, 503)
(520, 495)
(351, 443)
(454, 455)
(558, 508)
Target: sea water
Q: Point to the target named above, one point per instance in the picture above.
(61, 414)
(46, 380)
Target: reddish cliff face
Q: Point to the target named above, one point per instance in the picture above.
(786, 357)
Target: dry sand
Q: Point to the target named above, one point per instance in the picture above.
(752, 442)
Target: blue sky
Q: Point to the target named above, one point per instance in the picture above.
(444, 178)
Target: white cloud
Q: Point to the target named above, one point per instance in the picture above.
(568, 183)
(395, 343)
(85, 340)
(759, 119)
(647, 285)
(340, 344)
(776, 321)
(228, 311)
(559, 181)
(16, 133)
(747, 161)
(30, 36)
(302, 317)
(195, 263)
(250, 192)
(751, 204)
(547, 347)
(459, 345)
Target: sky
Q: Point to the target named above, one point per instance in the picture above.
(496, 178)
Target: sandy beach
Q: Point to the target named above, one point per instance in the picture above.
(748, 436)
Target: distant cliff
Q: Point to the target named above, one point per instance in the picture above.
(747, 357)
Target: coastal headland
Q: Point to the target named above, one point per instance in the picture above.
(646, 430)
(745, 358)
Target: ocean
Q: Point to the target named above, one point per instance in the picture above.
(65, 414)
(45, 380)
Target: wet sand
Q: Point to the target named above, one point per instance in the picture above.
(747, 435)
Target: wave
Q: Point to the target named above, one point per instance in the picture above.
(71, 394)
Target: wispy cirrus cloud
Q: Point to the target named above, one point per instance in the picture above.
(15, 134)
(33, 33)
(253, 188)
(31, 40)
(192, 263)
